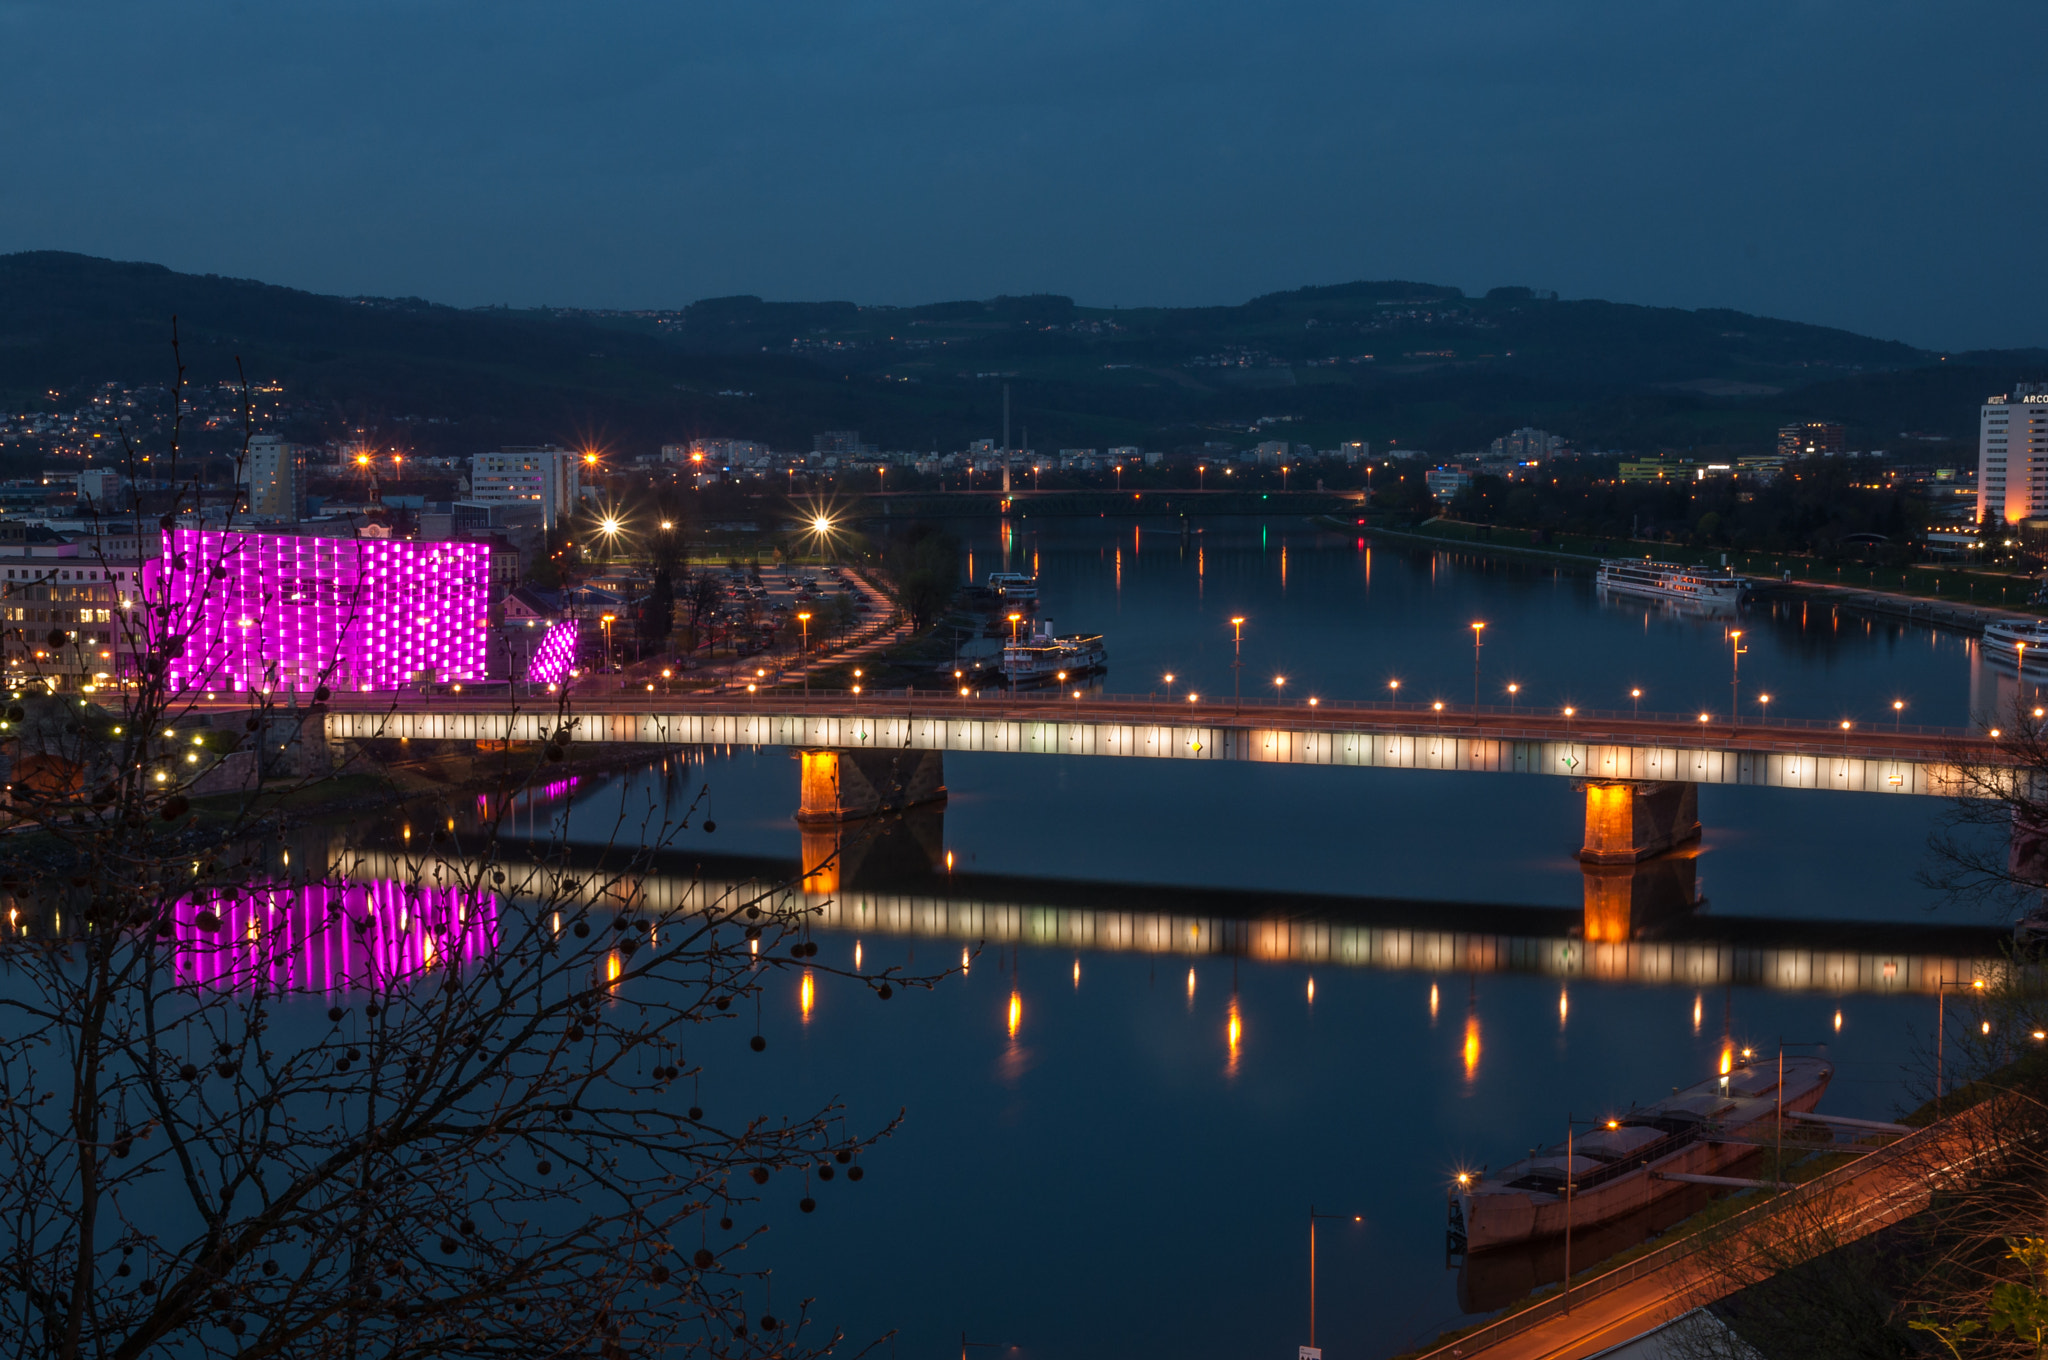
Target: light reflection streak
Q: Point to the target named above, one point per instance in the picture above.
(1471, 1045)
(856, 956)
(1234, 1034)
(1311, 991)
(1696, 1013)
(1564, 1007)
(1432, 1004)
(1077, 973)
(1016, 1015)
(1191, 989)
(807, 995)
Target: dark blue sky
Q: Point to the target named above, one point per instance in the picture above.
(1870, 165)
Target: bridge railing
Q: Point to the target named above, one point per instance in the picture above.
(1046, 703)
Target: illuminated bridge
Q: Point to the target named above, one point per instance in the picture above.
(876, 753)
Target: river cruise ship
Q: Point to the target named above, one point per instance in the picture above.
(1636, 1158)
(1670, 582)
(2006, 641)
(1041, 658)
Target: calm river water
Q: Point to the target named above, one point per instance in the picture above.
(1109, 1154)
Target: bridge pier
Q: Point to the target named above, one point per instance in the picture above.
(1629, 820)
(846, 785)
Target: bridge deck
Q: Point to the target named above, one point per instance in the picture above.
(1778, 755)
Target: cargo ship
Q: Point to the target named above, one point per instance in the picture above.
(1670, 582)
(1634, 1159)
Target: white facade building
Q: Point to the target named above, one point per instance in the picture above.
(550, 476)
(2012, 456)
(274, 474)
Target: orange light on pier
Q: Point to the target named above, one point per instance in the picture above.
(1727, 1059)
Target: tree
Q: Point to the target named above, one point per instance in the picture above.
(922, 565)
(272, 1087)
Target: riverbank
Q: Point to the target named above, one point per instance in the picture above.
(1929, 607)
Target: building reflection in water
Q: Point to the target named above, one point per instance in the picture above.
(327, 937)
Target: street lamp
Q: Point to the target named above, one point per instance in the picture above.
(803, 620)
(1513, 690)
(1312, 1217)
(1477, 630)
(1899, 714)
(1237, 658)
(1762, 706)
(1735, 651)
(1279, 686)
(1169, 687)
(1635, 701)
(1395, 687)
(1013, 627)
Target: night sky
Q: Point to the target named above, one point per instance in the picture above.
(1871, 165)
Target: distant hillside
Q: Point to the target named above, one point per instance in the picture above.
(1414, 363)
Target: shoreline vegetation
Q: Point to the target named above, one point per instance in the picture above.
(1952, 596)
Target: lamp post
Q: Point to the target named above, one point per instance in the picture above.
(1013, 628)
(1312, 1217)
(1635, 702)
(803, 623)
(1169, 687)
(1279, 685)
(1898, 715)
(1478, 629)
(607, 620)
(1735, 651)
(1513, 690)
(1763, 702)
(1237, 660)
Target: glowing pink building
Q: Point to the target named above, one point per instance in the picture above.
(290, 613)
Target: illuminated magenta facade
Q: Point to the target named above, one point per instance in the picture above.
(555, 655)
(290, 613)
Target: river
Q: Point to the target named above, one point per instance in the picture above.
(1106, 1153)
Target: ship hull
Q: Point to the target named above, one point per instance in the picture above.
(1506, 1219)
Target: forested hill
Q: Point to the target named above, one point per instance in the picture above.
(1397, 363)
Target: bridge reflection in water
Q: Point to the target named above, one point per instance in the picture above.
(1638, 924)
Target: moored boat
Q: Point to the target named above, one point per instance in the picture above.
(1670, 582)
(2007, 642)
(1627, 1163)
(1042, 658)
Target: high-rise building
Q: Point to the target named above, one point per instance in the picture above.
(2012, 455)
(274, 473)
(551, 476)
(1527, 445)
(1821, 437)
(101, 489)
(840, 442)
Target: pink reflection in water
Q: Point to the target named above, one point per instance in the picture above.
(326, 937)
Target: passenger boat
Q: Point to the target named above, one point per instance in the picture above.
(2004, 641)
(1628, 1163)
(1041, 658)
(1670, 582)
